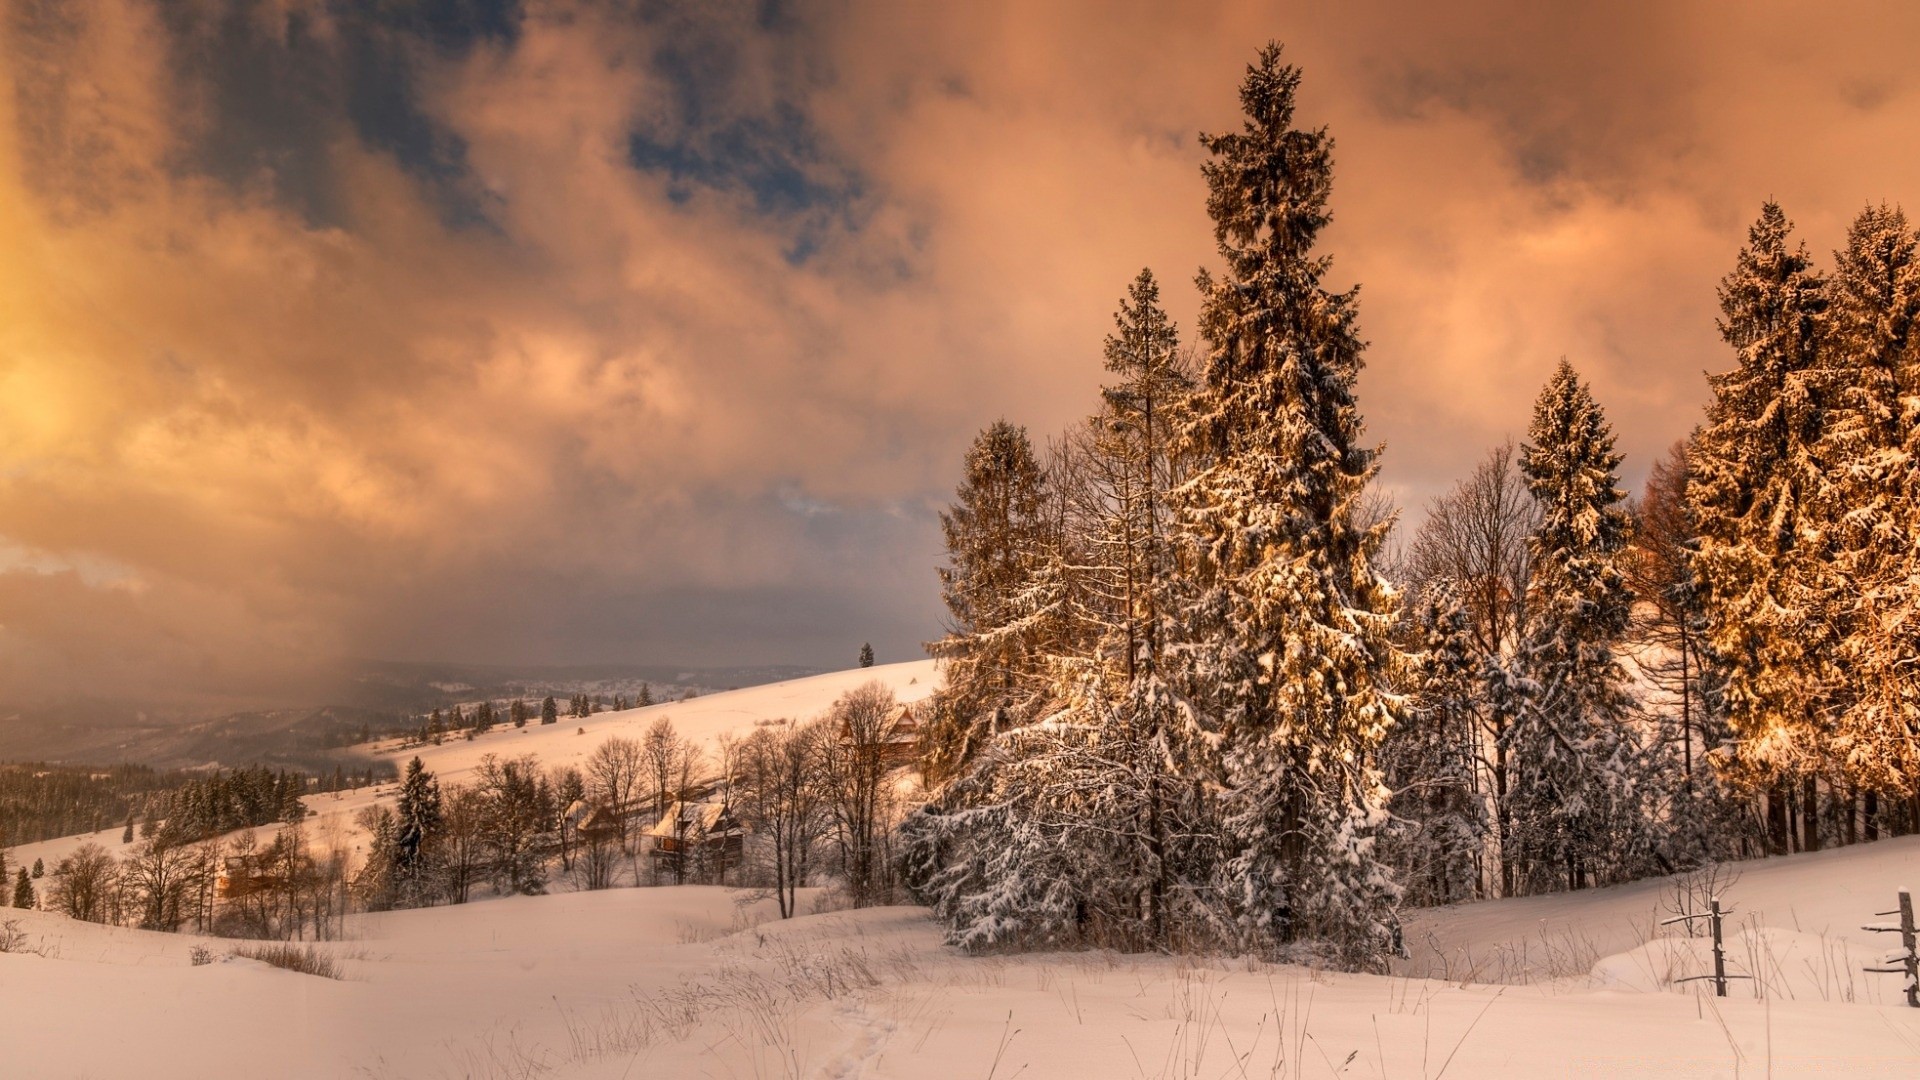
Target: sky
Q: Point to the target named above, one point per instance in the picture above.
(566, 332)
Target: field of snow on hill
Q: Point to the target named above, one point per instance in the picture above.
(707, 982)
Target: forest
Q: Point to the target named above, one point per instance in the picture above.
(1200, 696)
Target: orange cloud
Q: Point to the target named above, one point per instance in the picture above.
(659, 412)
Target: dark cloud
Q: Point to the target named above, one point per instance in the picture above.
(568, 331)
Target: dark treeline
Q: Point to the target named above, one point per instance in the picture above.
(39, 801)
(1191, 703)
(466, 721)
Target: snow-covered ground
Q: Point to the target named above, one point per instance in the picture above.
(706, 982)
(702, 720)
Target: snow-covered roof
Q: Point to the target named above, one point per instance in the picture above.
(691, 819)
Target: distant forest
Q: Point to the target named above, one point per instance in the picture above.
(40, 801)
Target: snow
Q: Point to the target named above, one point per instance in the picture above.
(702, 720)
(706, 982)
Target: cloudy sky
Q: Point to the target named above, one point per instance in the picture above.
(572, 332)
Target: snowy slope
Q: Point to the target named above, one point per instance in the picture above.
(703, 720)
(1795, 925)
(702, 982)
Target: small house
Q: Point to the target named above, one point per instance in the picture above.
(899, 736)
(697, 837)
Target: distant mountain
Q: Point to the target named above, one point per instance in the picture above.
(372, 697)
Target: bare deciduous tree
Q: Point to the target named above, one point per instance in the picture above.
(613, 773)
(87, 878)
(1475, 538)
(855, 770)
(779, 795)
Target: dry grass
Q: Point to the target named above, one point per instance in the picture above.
(306, 960)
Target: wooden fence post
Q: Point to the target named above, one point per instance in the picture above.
(1719, 975)
(1908, 958)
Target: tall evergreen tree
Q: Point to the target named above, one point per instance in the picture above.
(1286, 637)
(866, 655)
(1132, 442)
(994, 531)
(416, 834)
(549, 711)
(1871, 357)
(1753, 490)
(22, 890)
(1574, 755)
(1063, 831)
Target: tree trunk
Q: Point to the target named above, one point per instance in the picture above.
(1777, 828)
(1810, 815)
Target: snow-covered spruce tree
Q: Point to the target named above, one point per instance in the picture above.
(1752, 488)
(995, 534)
(1131, 442)
(1285, 636)
(416, 837)
(1060, 835)
(1063, 831)
(1440, 821)
(1573, 812)
(374, 885)
(1870, 357)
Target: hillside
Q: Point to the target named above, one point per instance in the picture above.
(702, 719)
(701, 981)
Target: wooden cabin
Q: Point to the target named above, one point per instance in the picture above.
(696, 836)
(899, 737)
(245, 875)
(903, 737)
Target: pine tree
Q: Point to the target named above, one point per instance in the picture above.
(866, 655)
(549, 711)
(39, 868)
(1132, 468)
(1574, 756)
(1062, 831)
(22, 890)
(993, 534)
(1286, 634)
(1869, 358)
(1429, 758)
(645, 697)
(1753, 489)
(416, 834)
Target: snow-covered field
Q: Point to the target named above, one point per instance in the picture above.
(707, 982)
(702, 720)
